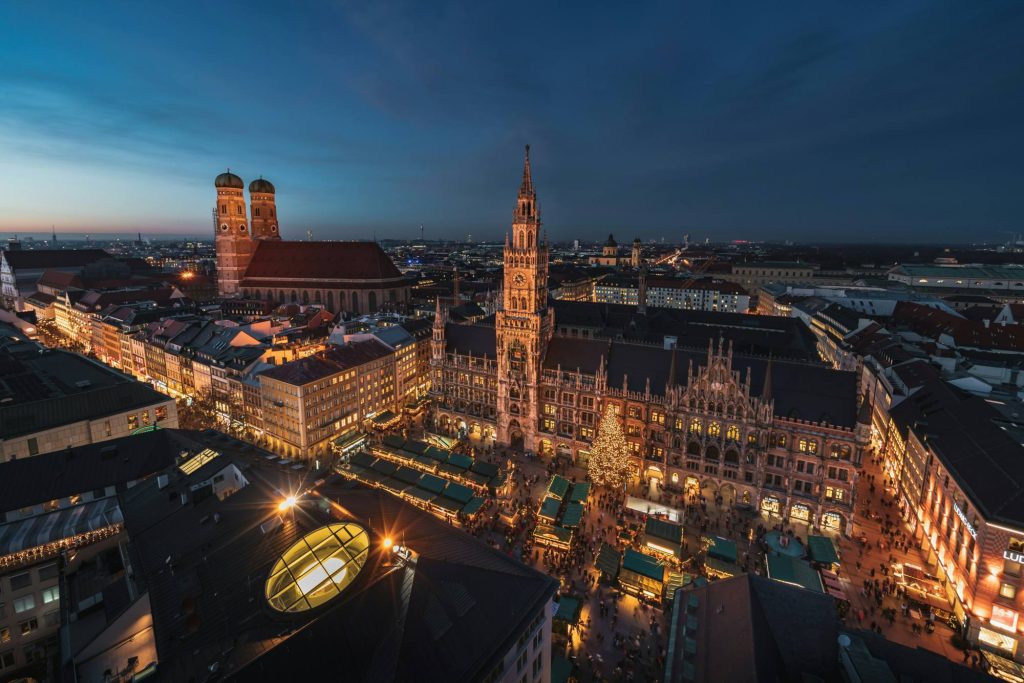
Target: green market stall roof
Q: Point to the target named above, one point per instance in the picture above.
(644, 565)
(561, 669)
(552, 535)
(664, 530)
(473, 506)
(722, 549)
(549, 508)
(795, 572)
(608, 559)
(558, 487)
(580, 492)
(572, 516)
(569, 610)
(821, 549)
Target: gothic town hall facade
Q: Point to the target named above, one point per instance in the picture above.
(784, 437)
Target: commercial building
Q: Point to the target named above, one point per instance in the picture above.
(308, 403)
(236, 570)
(958, 470)
(50, 400)
(999, 281)
(665, 292)
(780, 436)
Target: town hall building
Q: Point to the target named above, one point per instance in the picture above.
(780, 435)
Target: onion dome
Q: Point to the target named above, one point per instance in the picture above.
(261, 186)
(229, 179)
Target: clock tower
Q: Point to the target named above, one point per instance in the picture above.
(523, 323)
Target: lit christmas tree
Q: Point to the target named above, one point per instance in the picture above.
(609, 455)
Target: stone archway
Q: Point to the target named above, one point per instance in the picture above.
(655, 482)
(728, 494)
(515, 436)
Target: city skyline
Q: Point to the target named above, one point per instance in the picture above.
(817, 125)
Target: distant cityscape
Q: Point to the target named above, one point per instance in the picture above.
(613, 439)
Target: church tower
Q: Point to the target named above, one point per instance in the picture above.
(264, 210)
(523, 322)
(233, 243)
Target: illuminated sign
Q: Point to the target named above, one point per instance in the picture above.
(1015, 553)
(1004, 618)
(963, 518)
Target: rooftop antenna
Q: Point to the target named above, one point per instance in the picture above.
(421, 232)
(309, 235)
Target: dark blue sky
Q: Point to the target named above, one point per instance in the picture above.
(756, 120)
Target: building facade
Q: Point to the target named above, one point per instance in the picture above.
(694, 420)
(667, 292)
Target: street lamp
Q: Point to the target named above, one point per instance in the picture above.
(286, 504)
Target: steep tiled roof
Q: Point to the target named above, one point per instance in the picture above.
(478, 340)
(800, 390)
(320, 260)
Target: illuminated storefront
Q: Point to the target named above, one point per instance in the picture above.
(800, 513)
(770, 506)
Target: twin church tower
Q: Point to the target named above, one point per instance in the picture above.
(237, 232)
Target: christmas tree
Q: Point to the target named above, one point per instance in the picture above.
(609, 455)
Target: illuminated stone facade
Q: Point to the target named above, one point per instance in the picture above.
(694, 420)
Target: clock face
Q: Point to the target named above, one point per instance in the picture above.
(519, 279)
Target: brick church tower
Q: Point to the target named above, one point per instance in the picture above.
(524, 323)
(264, 210)
(233, 242)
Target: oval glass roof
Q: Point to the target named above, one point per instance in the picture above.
(318, 567)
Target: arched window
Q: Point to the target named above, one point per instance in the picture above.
(373, 302)
(295, 296)
(733, 433)
(305, 296)
(256, 211)
(355, 302)
(330, 301)
(780, 441)
(223, 209)
(392, 295)
(711, 453)
(280, 296)
(695, 426)
(529, 240)
(693, 448)
(714, 429)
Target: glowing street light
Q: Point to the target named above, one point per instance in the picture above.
(286, 504)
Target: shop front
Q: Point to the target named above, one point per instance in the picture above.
(832, 521)
(800, 513)
(771, 506)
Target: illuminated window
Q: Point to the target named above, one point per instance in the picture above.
(733, 433)
(317, 568)
(1007, 590)
(714, 429)
(695, 426)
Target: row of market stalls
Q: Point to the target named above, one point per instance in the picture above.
(483, 477)
(450, 485)
(561, 512)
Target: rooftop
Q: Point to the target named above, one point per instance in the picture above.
(41, 389)
(302, 261)
(448, 615)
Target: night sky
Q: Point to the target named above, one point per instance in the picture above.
(759, 120)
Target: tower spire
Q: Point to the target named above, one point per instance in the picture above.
(766, 390)
(526, 188)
